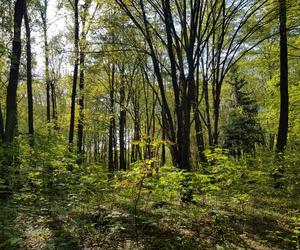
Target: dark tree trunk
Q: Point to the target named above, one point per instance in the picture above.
(122, 123)
(135, 152)
(11, 98)
(115, 142)
(81, 95)
(207, 111)
(284, 95)
(46, 52)
(163, 149)
(29, 77)
(75, 75)
(54, 105)
(216, 120)
(111, 136)
(81, 107)
(81, 83)
(199, 136)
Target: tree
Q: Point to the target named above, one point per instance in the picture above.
(284, 94)
(122, 120)
(81, 80)
(242, 131)
(11, 98)
(43, 12)
(75, 74)
(29, 76)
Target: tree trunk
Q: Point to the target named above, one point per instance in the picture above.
(284, 95)
(135, 152)
(11, 97)
(81, 108)
(111, 136)
(207, 111)
(46, 53)
(163, 149)
(216, 121)
(75, 75)
(81, 82)
(54, 105)
(29, 76)
(122, 123)
(199, 136)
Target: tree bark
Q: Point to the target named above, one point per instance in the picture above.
(29, 76)
(11, 97)
(81, 85)
(284, 95)
(122, 122)
(135, 152)
(207, 111)
(54, 104)
(46, 54)
(75, 75)
(111, 136)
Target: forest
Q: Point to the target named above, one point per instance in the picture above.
(149, 124)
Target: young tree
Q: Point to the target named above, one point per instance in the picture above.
(242, 132)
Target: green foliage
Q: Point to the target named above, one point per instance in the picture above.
(296, 232)
(242, 131)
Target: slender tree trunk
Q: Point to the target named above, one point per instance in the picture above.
(81, 82)
(111, 136)
(207, 111)
(81, 102)
(216, 121)
(135, 152)
(75, 75)
(115, 142)
(81, 107)
(29, 77)
(163, 137)
(122, 122)
(199, 136)
(54, 104)
(46, 53)
(284, 95)
(11, 97)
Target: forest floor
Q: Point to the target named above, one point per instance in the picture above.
(64, 219)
